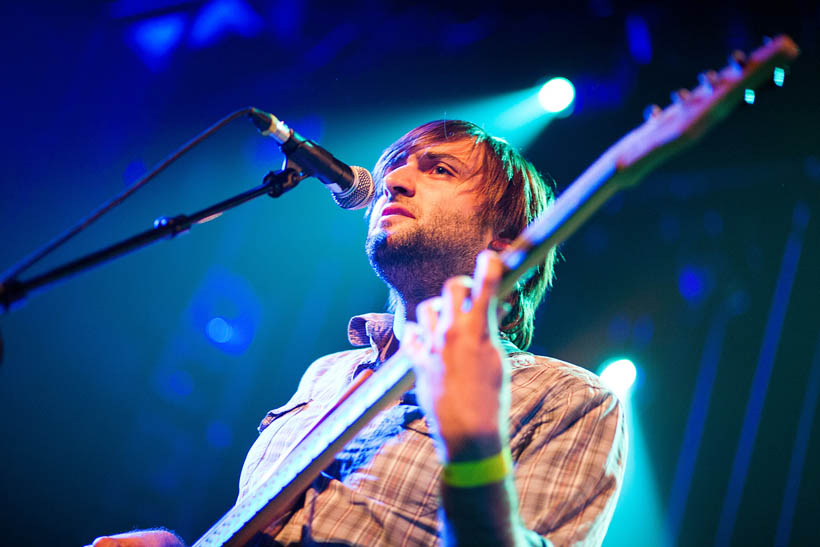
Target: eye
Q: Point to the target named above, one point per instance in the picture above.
(441, 169)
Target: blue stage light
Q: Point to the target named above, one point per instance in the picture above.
(640, 43)
(556, 95)
(219, 18)
(225, 311)
(155, 38)
(619, 376)
(219, 330)
(174, 384)
(693, 283)
(180, 383)
(619, 328)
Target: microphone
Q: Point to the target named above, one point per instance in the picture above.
(350, 185)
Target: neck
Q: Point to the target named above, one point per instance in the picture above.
(400, 317)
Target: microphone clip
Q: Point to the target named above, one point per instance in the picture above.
(285, 179)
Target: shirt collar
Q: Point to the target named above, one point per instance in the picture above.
(376, 330)
(373, 329)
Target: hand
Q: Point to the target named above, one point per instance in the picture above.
(461, 369)
(141, 538)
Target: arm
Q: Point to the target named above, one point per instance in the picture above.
(463, 387)
(568, 471)
(481, 515)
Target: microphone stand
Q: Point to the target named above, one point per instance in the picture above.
(13, 291)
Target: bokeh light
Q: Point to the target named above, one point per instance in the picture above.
(556, 95)
(619, 376)
(219, 330)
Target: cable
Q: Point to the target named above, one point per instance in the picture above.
(45, 250)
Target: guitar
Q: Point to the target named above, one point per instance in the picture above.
(664, 133)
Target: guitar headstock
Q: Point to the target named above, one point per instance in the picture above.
(694, 111)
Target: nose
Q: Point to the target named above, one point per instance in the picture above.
(400, 181)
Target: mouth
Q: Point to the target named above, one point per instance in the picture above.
(396, 210)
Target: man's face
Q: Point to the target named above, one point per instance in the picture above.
(426, 225)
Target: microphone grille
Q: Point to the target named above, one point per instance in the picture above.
(360, 193)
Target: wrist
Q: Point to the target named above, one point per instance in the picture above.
(479, 472)
(467, 447)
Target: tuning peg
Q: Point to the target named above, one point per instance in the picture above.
(680, 95)
(779, 76)
(737, 60)
(651, 111)
(709, 79)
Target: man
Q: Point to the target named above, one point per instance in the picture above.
(494, 445)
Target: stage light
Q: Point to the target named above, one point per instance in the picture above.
(175, 384)
(640, 43)
(749, 96)
(640, 500)
(619, 376)
(157, 37)
(694, 283)
(556, 95)
(219, 330)
(219, 18)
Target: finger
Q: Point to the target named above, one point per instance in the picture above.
(413, 341)
(427, 313)
(416, 346)
(488, 272)
(455, 295)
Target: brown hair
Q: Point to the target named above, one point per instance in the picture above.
(514, 193)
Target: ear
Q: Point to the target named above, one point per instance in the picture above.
(499, 244)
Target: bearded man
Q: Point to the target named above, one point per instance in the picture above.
(493, 445)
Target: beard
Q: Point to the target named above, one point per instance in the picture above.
(417, 261)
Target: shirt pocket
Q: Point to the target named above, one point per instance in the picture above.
(272, 441)
(292, 407)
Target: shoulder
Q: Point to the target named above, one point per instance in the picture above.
(561, 394)
(536, 371)
(320, 380)
(334, 367)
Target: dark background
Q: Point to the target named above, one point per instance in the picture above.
(118, 411)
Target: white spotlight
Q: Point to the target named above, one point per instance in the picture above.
(619, 375)
(556, 95)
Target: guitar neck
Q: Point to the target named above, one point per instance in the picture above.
(566, 214)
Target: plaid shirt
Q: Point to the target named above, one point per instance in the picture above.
(568, 442)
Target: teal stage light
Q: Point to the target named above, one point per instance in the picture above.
(518, 116)
(556, 95)
(619, 376)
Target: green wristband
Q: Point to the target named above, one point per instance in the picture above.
(479, 472)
